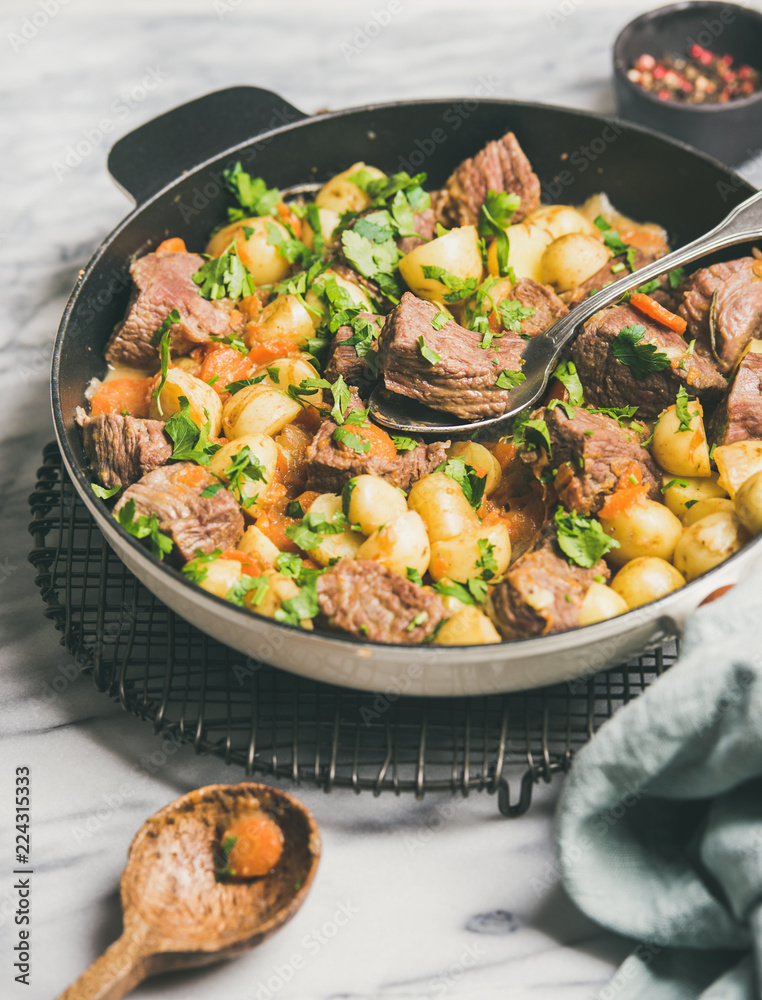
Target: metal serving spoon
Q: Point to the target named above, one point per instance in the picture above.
(176, 914)
(542, 352)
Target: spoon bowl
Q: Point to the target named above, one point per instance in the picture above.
(177, 915)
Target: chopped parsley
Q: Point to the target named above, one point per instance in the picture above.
(486, 561)
(471, 592)
(566, 373)
(467, 478)
(252, 194)
(196, 569)
(230, 340)
(439, 320)
(674, 482)
(622, 414)
(494, 217)
(513, 314)
(172, 318)
(289, 247)
(414, 576)
(615, 243)
(289, 564)
(690, 503)
(294, 509)
(509, 380)
(419, 619)
(164, 356)
(212, 490)
(144, 527)
(676, 277)
(224, 276)
(582, 539)
(257, 586)
(682, 411)
(402, 443)
(535, 432)
(103, 493)
(351, 440)
(308, 534)
(225, 870)
(243, 383)
(428, 353)
(244, 468)
(641, 358)
(190, 442)
(458, 288)
(302, 606)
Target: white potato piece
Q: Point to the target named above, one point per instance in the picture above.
(371, 502)
(285, 318)
(737, 462)
(562, 219)
(444, 509)
(479, 458)
(458, 558)
(709, 542)
(601, 603)
(457, 252)
(398, 545)
(344, 544)
(221, 574)
(683, 453)
(205, 404)
(341, 194)
(255, 542)
(683, 491)
(702, 508)
(467, 627)
(329, 220)
(314, 302)
(755, 346)
(527, 245)
(647, 528)
(646, 579)
(283, 372)
(263, 450)
(571, 259)
(190, 365)
(749, 503)
(258, 409)
(261, 259)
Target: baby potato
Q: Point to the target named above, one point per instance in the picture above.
(221, 574)
(600, 603)
(705, 507)
(329, 220)
(263, 450)
(749, 503)
(571, 259)
(258, 409)
(314, 302)
(444, 509)
(400, 544)
(341, 194)
(646, 579)
(255, 542)
(683, 453)
(562, 219)
(293, 370)
(285, 318)
(345, 543)
(527, 245)
(457, 558)
(456, 252)
(647, 528)
(477, 456)
(372, 502)
(467, 627)
(678, 493)
(261, 259)
(205, 404)
(737, 462)
(709, 542)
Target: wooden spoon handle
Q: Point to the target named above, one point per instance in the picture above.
(118, 970)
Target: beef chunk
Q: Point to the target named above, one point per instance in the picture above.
(606, 276)
(722, 305)
(739, 416)
(547, 306)
(541, 593)
(591, 452)
(424, 223)
(500, 166)
(122, 449)
(163, 282)
(330, 464)
(609, 382)
(368, 600)
(463, 381)
(343, 360)
(192, 521)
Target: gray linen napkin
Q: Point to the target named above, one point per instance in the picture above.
(659, 824)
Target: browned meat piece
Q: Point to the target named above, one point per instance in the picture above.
(722, 305)
(343, 360)
(192, 521)
(739, 416)
(330, 465)
(122, 449)
(541, 593)
(369, 601)
(463, 381)
(500, 166)
(163, 282)
(606, 276)
(423, 223)
(609, 382)
(547, 305)
(591, 452)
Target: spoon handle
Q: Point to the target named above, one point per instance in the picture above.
(118, 971)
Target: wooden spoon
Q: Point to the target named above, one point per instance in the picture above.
(176, 914)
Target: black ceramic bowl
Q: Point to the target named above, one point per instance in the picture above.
(732, 132)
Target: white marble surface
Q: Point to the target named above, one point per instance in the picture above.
(417, 876)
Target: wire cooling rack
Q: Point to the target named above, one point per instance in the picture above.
(269, 722)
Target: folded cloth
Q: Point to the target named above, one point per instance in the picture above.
(659, 823)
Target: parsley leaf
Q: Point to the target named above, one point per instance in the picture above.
(641, 359)
(486, 561)
(673, 482)
(224, 276)
(439, 319)
(244, 585)
(509, 380)
(164, 355)
(682, 411)
(459, 288)
(196, 569)
(245, 468)
(414, 576)
(566, 373)
(252, 194)
(622, 414)
(211, 490)
(582, 539)
(144, 527)
(309, 533)
(243, 383)
(428, 353)
(402, 443)
(103, 493)
(289, 564)
(302, 606)
(512, 314)
(172, 318)
(351, 440)
(494, 217)
(191, 442)
(467, 478)
(676, 277)
(536, 431)
(450, 588)
(231, 340)
(294, 509)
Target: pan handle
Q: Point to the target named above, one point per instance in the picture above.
(146, 160)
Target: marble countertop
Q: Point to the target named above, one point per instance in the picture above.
(440, 897)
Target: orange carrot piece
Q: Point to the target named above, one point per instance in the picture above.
(194, 476)
(257, 847)
(626, 493)
(173, 245)
(263, 354)
(122, 395)
(657, 312)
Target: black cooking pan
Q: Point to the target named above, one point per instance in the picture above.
(172, 168)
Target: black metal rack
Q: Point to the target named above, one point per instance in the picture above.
(195, 690)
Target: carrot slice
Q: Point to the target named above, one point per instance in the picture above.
(657, 312)
(227, 364)
(193, 476)
(628, 492)
(122, 395)
(257, 845)
(278, 347)
(173, 245)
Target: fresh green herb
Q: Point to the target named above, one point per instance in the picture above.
(294, 509)
(288, 246)
(689, 503)
(309, 533)
(439, 320)
(164, 356)
(598, 578)
(486, 561)
(144, 527)
(230, 340)
(414, 576)
(494, 217)
(244, 468)
(641, 358)
(622, 414)
(676, 277)
(105, 494)
(289, 564)
(513, 314)
(582, 539)
(172, 318)
(213, 379)
(191, 442)
(419, 619)
(618, 267)
(302, 607)
(224, 276)
(211, 490)
(351, 440)
(402, 443)
(458, 288)
(196, 569)
(356, 417)
(252, 194)
(428, 353)
(467, 478)
(225, 870)
(566, 373)
(346, 495)
(257, 586)
(567, 408)
(674, 482)
(318, 239)
(509, 380)
(243, 383)
(536, 432)
(681, 410)
(459, 591)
